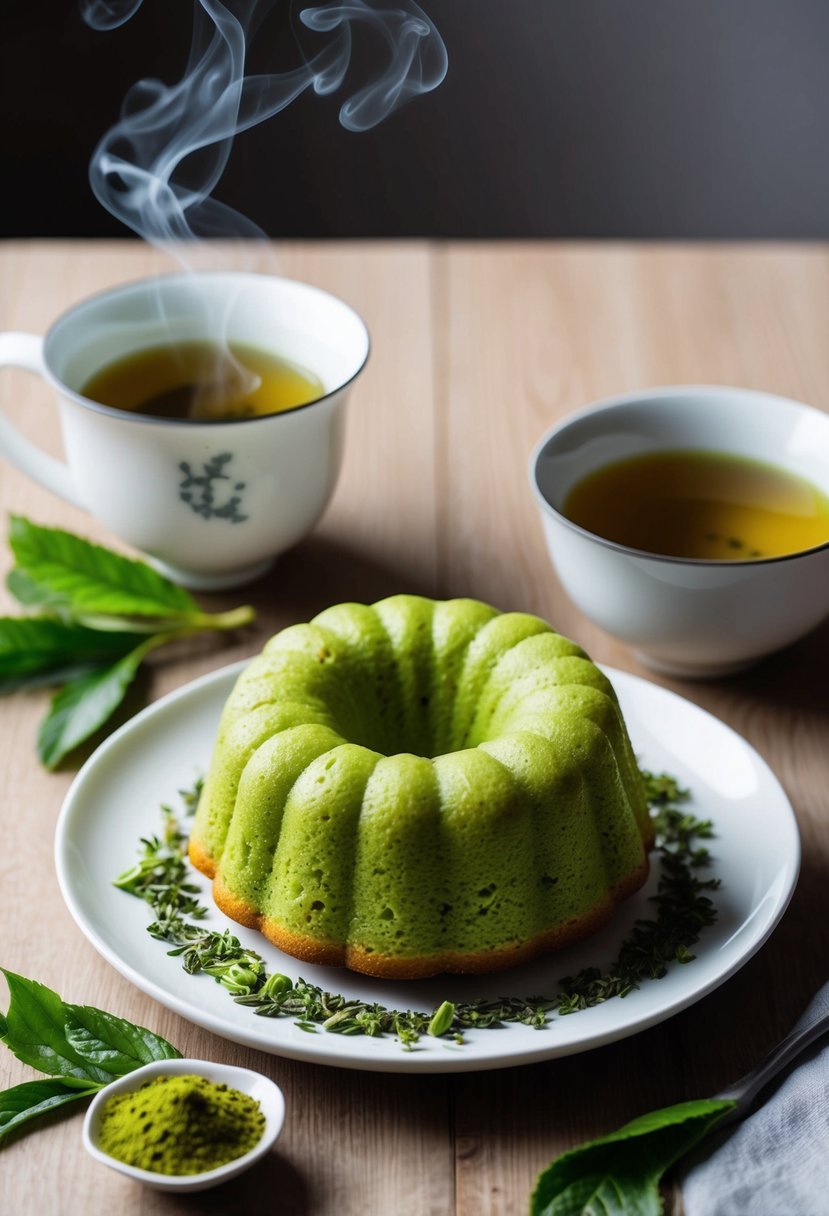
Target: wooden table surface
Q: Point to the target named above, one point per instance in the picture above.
(477, 349)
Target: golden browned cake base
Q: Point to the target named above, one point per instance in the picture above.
(400, 967)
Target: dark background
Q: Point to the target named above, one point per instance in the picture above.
(581, 118)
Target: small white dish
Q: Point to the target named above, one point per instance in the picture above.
(685, 616)
(267, 1094)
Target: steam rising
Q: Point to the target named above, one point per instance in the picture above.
(138, 170)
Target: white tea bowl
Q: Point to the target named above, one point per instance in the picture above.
(254, 1084)
(212, 503)
(685, 616)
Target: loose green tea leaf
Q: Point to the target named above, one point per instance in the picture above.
(24, 1102)
(619, 1174)
(161, 878)
(85, 704)
(682, 903)
(111, 1043)
(662, 788)
(59, 569)
(37, 650)
(442, 1019)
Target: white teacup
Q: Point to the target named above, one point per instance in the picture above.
(686, 616)
(212, 503)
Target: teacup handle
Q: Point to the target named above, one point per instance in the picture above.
(26, 351)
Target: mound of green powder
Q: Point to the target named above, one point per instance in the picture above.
(180, 1125)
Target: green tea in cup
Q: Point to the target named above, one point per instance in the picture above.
(203, 382)
(713, 506)
(211, 459)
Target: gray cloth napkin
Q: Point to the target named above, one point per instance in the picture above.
(776, 1161)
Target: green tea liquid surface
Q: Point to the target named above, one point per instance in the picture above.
(701, 504)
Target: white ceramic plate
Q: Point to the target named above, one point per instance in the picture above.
(115, 800)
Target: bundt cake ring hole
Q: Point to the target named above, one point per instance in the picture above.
(419, 786)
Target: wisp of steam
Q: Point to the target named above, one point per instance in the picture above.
(137, 170)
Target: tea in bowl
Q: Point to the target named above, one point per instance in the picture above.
(691, 522)
(202, 415)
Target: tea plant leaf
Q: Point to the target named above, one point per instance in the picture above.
(111, 1043)
(24, 1102)
(82, 1048)
(85, 704)
(57, 569)
(35, 1032)
(97, 615)
(27, 591)
(619, 1174)
(37, 650)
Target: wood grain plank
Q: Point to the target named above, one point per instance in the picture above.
(477, 349)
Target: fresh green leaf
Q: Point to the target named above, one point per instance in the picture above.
(100, 614)
(34, 650)
(59, 569)
(83, 1048)
(24, 1102)
(53, 605)
(36, 1033)
(113, 1044)
(27, 591)
(86, 703)
(46, 679)
(619, 1174)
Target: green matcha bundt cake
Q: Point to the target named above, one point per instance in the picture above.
(414, 786)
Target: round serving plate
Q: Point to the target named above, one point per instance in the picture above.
(116, 797)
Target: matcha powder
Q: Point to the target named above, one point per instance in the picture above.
(180, 1125)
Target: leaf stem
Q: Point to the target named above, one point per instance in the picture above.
(193, 622)
(235, 618)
